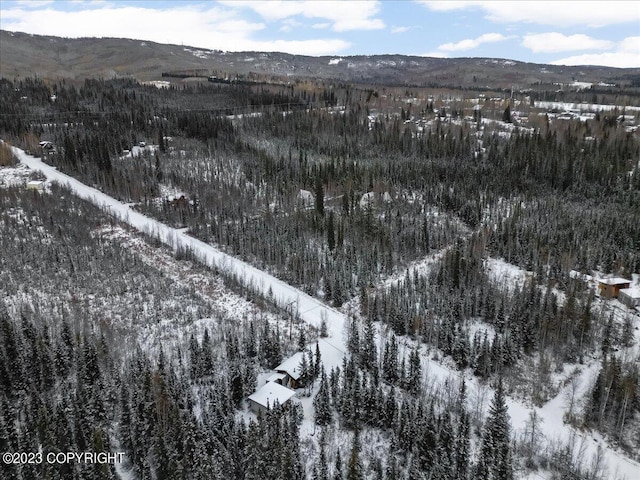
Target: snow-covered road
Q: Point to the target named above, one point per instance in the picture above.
(312, 311)
(309, 309)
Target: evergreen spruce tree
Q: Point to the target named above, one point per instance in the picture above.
(319, 191)
(495, 454)
(368, 350)
(462, 442)
(321, 469)
(250, 347)
(207, 353)
(317, 364)
(331, 238)
(302, 340)
(390, 408)
(323, 327)
(414, 377)
(390, 360)
(321, 402)
(195, 358)
(506, 115)
(355, 470)
(354, 338)
(305, 373)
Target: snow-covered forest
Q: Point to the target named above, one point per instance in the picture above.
(456, 241)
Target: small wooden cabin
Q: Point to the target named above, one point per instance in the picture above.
(610, 287)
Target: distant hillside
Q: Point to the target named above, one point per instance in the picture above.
(24, 55)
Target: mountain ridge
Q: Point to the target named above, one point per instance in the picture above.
(75, 59)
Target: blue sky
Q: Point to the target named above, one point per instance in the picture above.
(570, 33)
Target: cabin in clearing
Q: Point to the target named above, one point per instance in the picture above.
(610, 287)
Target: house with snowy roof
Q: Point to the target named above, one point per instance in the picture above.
(305, 198)
(37, 185)
(268, 395)
(289, 371)
(630, 296)
(370, 198)
(610, 287)
(47, 148)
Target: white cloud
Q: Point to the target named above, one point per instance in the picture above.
(343, 16)
(447, 5)
(289, 24)
(554, 42)
(471, 43)
(397, 29)
(88, 3)
(609, 59)
(557, 13)
(348, 24)
(320, 26)
(626, 55)
(34, 3)
(211, 28)
(630, 45)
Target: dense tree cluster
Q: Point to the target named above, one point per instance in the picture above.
(615, 399)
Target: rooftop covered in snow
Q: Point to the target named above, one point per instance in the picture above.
(633, 292)
(277, 377)
(270, 393)
(614, 281)
(291, 366)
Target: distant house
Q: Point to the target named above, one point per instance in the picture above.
(367, 199)
(610, 287)
(626, 120)
(268, 395)
(35, 185)
(567, 115)
(180, 202)
(370, 198)
(291, 369)
(630, 297)
(47, 148)
(583, 277)
(305, 198)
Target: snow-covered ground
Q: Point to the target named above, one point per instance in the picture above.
(504, 274)
(584, 107)
(15, 176)
(210, 288)
(333, 347)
